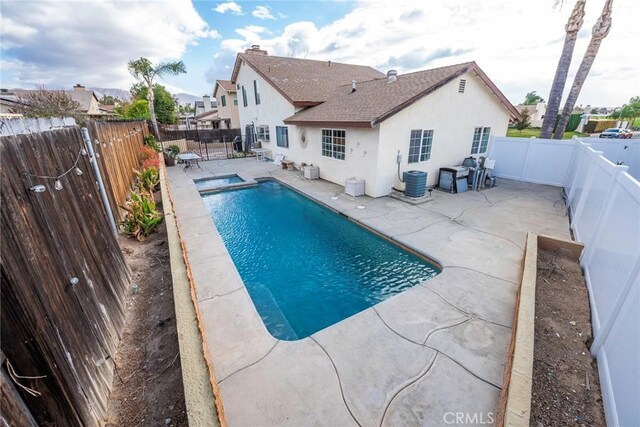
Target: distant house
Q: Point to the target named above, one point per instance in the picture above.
(86, 99)
(352, 120)
(9, 104)
(204, 106)
(536, 112)
(226, 95)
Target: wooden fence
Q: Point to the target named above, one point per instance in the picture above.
(117, 144)
(63, 276)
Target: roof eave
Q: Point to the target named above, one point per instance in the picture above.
(335, 124)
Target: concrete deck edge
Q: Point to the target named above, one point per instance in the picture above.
(514, 406)
(201, 399)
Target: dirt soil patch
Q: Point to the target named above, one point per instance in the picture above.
(147, 387)
(566, 386)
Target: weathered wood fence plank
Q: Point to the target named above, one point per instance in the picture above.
(66, 332)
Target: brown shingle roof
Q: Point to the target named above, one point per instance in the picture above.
(376, 100)
(304, 82)
(227, 85)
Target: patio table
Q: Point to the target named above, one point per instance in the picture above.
(189, 159)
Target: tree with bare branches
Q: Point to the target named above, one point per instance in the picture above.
(46, 103)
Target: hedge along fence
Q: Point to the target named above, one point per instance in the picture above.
(63, 279)
(117, 144)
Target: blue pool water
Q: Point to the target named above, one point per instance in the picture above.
(217, 182)
(305, 266)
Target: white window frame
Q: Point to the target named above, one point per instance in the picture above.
(425, 145)
(331, 151)
(262, 133)
(223, 100)
(480, 142)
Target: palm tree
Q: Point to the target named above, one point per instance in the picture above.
(144, 71)
(599, 32)
(557, 87)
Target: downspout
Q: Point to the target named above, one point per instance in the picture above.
(96, 170)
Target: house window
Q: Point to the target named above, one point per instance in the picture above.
(461, 86)
(235, 99)
(480, 140)
(256, 93)
(333, 143)
(223, 100)
(263, 133)
(282, 136)
(244, 97)
(420, 145)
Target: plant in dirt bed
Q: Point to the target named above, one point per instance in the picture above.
(170, 155)
(141, 218)
(148, 157)
(147, 180)
(150, 141)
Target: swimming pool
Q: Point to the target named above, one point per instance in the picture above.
(211, 183)
(305, 266)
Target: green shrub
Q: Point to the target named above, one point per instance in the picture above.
(150, 141)
(174, 150)
(141, 218)
(147, 180)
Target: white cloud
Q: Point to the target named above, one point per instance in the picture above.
(231, 6)
(516, 43)
(59, 43)
(262, 12)
(282, 15)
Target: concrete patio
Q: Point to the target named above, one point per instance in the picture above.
(418, 358)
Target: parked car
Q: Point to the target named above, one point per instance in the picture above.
(616, 133)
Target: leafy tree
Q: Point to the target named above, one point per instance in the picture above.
(557, 87)
(163, 103)
(525, 121)
(145, 72)
(47, 103)
(532, 98)
(598, 33)
(594, 111)
(628, 111)
(137, 109)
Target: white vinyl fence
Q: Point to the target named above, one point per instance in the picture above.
(605, 204)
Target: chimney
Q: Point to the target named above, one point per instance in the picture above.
(392, 75)
(206, 100)
(78, 87)
(353, 86)
(255, 49)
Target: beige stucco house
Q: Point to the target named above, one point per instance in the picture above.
(314, 112)
(225, 93)
(87, 100)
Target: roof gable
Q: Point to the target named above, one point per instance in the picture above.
(376, 100)
(304, 82)
(225, 85)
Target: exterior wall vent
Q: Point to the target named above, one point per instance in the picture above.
(462, 85)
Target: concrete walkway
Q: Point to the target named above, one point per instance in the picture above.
(418, 358)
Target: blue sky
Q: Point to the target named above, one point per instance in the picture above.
(517, 43)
